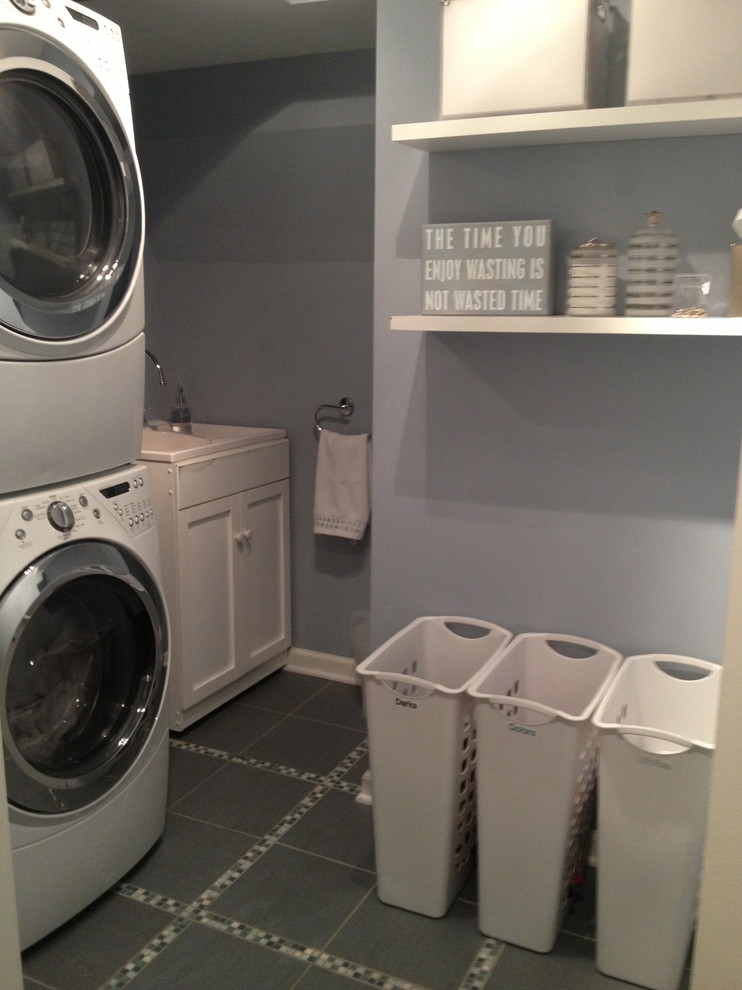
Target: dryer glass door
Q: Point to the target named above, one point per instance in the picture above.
(71, 224)
(84, 675)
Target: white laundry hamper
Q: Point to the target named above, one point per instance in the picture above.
(657, 726)
(423, 755)
(536, 780)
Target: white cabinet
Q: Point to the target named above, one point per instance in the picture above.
(224, 535)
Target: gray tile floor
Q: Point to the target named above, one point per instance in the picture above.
(264, 878)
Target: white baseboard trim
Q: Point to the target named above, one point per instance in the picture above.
(327, 665)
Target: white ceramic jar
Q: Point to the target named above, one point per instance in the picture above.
(651, 269)
(593, 273)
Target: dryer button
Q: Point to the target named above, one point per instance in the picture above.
(61, 516)
(26, 515)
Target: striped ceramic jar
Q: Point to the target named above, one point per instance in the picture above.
(651, 268)
(591, 285)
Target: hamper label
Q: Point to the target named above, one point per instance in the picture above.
(514, 727)
(493, 268)
(652, 761)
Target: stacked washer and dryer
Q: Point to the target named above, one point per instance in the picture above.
(83, 622)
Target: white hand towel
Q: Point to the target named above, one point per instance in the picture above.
(342, 486)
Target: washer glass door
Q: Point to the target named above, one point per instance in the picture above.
(71, 218)
(83, 677)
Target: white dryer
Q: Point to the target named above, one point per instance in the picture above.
(83, 672)
(71, 247)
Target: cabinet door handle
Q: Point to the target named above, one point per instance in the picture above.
(244, 537)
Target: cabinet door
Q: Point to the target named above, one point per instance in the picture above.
(210, 593)
(264, 609)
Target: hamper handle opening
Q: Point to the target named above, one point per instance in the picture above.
(406, 686)
(467, 630)
(654, 742)
(571, 649)
(523, 711)
(682, 670)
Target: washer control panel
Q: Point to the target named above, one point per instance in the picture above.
(25, 6)
(84, 510)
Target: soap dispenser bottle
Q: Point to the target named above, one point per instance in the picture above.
(180, 414)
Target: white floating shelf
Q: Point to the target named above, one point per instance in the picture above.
(667, 326)
(697, 118)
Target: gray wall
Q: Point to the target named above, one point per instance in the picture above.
(549, 483)
(259, 190)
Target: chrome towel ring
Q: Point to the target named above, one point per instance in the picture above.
(345, 407)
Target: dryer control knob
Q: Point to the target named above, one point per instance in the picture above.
(61, 516)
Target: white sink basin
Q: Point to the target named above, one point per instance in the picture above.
(164, 444)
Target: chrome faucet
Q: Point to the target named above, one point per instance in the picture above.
(156, 363)
(161, 379)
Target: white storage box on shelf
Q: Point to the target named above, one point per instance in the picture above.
(684, 51)
(516, 56)
(536, 780)
(423, 757)
(657, 726)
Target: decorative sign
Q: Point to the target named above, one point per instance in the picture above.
(500, 269)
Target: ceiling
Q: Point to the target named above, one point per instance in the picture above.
(160, 35)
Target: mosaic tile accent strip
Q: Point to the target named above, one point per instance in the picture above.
(347, 787)
(233, 874)
(143, 896)
(333, 778)
(257, 936)
(297, 813)
(198, 911)
(217, 754)
(363, 974)
(254, 853)
(249, 761)
(246, 761)
(349, 762)
(486, 960)
(306, 954)
(130, 970)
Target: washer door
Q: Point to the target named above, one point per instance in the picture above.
(83, 636)
(71, 216)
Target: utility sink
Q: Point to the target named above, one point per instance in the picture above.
(160, 443)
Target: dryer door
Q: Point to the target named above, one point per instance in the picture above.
(71, 227)
(83, 634)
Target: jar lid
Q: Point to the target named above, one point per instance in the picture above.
(595, 243)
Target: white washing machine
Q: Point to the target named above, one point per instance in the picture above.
(84, 647)
(71, 247)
